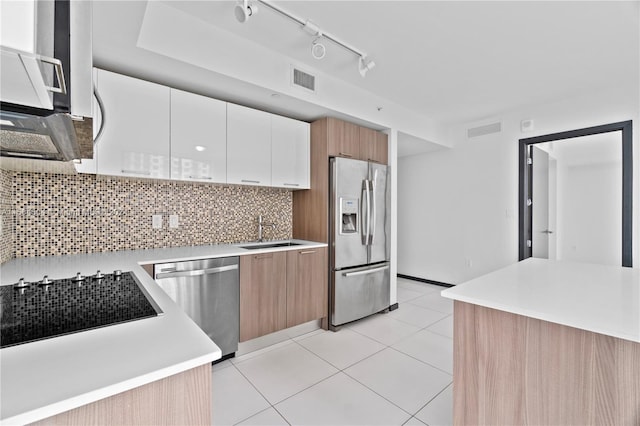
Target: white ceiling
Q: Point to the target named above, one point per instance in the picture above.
(446, 60)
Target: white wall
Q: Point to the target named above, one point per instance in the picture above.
(592, 214)
(458, 208)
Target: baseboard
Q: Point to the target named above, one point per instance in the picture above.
(424, 280)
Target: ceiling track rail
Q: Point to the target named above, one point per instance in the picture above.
(305, 23)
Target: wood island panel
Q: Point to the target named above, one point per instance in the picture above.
(181, 399)
(511, 369)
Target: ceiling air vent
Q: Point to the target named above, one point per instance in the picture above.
(487, 129)
(303, 79)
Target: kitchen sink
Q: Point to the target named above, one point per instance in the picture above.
(270, 245)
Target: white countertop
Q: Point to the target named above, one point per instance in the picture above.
(597, 298)
(47, 377)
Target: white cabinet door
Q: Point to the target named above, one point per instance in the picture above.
(289, 153)
(198, 138)
(135, 138)
(248, 146)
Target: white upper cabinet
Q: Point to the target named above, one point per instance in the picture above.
(135, 135)
(248, 146)
(146, 130)
(198, 138)
(289, 153)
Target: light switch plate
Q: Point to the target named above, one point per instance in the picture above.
(156, 221)
(173, 221)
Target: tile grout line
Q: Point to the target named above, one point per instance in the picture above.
(342, 370)
(372, 390)
(350, 365)
(431, 400)
(257, 390)
(424, 362)
(381, 396)
(348, 375)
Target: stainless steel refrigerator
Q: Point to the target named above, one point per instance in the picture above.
(359, 239)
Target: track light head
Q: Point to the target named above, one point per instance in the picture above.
(244, 11)
(317, 49)
(365, 65)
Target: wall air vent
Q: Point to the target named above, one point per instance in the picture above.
(487, 129)
(303, 79)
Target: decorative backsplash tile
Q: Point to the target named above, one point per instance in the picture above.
(71, 214)
(7, 244)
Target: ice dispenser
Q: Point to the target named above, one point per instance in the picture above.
(349, 215)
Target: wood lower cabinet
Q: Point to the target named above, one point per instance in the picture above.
(263, 294)
(282, 289)
(306, 285)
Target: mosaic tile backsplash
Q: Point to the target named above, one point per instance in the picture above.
(71, 214)
(7, 244)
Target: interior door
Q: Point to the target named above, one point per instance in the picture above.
(540, 203)
(349, 212)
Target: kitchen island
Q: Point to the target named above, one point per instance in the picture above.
(548, 342)
(149, 371)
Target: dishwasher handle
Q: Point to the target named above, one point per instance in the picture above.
(195, 272)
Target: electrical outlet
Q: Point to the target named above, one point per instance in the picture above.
(156, 221)
(173, 221)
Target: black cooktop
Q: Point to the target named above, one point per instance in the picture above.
(66, 306)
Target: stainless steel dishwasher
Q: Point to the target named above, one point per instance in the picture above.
(208, 291)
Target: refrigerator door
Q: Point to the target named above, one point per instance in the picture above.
(380, 213)
(349, 208)
(359, 292)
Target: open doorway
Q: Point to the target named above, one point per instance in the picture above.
(576, 195)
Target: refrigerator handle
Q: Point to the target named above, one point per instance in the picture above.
(366, 271)
(365, 208)
(374, 208)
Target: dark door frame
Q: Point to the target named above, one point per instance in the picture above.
(524, 184)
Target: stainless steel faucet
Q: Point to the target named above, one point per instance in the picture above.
(261, 225)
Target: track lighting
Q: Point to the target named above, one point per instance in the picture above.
(244, 10)
(365, 65)
(317, 49)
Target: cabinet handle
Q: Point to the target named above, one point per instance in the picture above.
(103, 114)
(57, 65)
(344, 154)
(291, 184)
(136, 172)
(250, 181)
(263, 256)
(372, 160)
(200, 177)
(307, 252)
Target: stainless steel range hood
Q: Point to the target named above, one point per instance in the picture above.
(46, 95)
(46, 138)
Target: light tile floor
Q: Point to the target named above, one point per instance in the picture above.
(388, 369)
